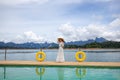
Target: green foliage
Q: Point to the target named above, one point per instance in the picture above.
(71, 46)
(92, 45)
(107, 44)
(110, 44)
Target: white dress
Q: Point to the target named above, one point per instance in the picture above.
(60, 55)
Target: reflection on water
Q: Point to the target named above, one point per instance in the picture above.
(4, 72)
(58, 73)
(40, 72)
(81, 72)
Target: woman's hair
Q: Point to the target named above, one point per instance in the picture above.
(61, 39)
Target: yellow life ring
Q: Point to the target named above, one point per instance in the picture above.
(83, 73)
(38, 71)
(42, 58)
(80, 53)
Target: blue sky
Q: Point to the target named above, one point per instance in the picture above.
(46, 20)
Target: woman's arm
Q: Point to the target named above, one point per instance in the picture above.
(62, 44)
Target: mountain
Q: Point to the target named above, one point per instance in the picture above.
(81, 43)
(100, 40)
(48, 45)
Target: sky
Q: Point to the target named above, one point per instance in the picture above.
(45, 20)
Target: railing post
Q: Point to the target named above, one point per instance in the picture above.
(79, 49)
(41, 49)
(5, 53)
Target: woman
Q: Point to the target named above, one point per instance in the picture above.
(60, 55)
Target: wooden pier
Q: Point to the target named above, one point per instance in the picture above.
(36, 63)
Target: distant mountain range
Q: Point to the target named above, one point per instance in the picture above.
(81, 43)
(48, 45)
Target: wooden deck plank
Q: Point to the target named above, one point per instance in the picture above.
(36, 63)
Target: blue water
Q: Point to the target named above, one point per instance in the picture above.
(58, 73)
(99, 55)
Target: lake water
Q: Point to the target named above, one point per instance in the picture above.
(60, 73)
(93, 55)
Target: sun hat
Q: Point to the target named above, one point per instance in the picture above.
(61, 39)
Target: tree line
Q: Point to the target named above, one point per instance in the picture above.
(107, 44)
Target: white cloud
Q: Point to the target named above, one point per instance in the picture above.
(28, 36)
(72, 33)
(17, 2)
(115, 23)
(67, 29)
